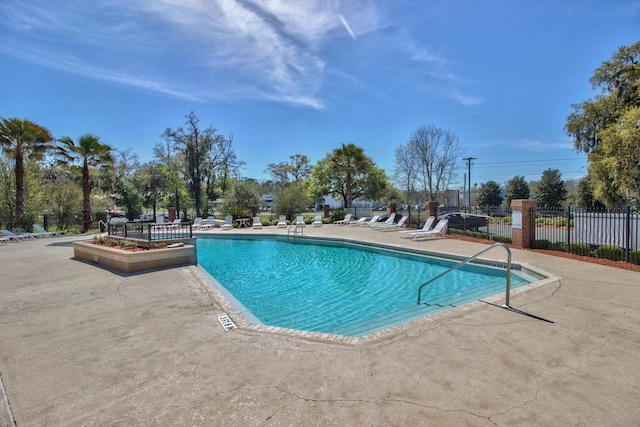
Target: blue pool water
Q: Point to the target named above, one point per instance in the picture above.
(339, 288)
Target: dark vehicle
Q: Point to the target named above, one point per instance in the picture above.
(465, 221)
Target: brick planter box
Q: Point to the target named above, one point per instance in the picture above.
(134, 262)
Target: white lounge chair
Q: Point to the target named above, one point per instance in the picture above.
(317, 222)
(300, 221)
(228, 223)
(4, 240)
(282, 221)
(358, 221)
(256, 222)
(392, 227)
(440, 230)
(40, 230)
(17, 237)
(197, 223)
(175, 224)
(388, 221)
(211, 222)
(427, 226)
(373, 220)
(344, 221)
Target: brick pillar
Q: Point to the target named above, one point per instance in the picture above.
(325, 211)
(172, 214)
(432, 208)
(392, 208)
(523, 222)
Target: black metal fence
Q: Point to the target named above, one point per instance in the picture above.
(607, 233)
(150, 231)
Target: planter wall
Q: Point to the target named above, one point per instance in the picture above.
(134, 262)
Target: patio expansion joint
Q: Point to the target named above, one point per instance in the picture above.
(6, 415)
(422, 405)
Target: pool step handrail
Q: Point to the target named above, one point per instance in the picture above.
(471, 258)
(295, 230)
(106, 227)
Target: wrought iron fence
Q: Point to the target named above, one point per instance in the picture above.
(608, 233)
(151, 232)
(612, 233)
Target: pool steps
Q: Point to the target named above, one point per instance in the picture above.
(429, 306)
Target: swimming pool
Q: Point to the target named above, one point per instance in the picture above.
(336, 287)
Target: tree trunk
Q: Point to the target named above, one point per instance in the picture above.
(87, 222)
(19, 190)
(349, 184)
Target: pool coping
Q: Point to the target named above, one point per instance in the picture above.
(211, 285)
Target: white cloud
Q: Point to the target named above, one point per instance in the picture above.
(253, 48)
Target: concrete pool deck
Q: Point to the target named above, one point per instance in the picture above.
(81, 345)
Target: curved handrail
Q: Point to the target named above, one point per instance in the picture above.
(455, 267)
(106, 227)
(295, 230)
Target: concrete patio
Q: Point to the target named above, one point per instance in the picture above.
(81, 345)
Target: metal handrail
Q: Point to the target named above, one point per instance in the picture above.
(106, 227)
(455, 267)
(295, 230)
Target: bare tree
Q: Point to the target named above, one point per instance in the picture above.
(437, 152)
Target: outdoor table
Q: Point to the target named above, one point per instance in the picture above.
(242, 222)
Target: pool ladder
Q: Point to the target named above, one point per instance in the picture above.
(295, 230)
(471, 258)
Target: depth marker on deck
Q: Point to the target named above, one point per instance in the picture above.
(226, 322)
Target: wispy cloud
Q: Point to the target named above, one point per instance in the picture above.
(251, 48)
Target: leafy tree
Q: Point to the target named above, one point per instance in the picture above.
(550, 191)
(296, 169)
(243, 195)
(489, 194)
(85, 154)
(152, 184)
(516, 188)
(437, 152)
(292, 200)
(585, 198)
(606, 127)
(22, 139)
(170, 166)
(347, 171)
(64, 198)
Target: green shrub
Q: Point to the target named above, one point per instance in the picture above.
(558, 246)
(158, 245)
(239, 213)
(501, 239)
(581, 249)
(634, 256)
(614, 253)
(541, 244)
(338, 214)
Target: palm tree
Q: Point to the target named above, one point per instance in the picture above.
(23, 139)
(91, 153)
(348, 160)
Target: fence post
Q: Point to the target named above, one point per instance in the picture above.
(627, 232)
(568, 215)
(523, 222)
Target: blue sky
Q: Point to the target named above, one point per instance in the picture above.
(287, 77)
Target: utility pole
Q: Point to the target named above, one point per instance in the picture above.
(469, 160)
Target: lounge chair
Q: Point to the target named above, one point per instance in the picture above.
(197, 222)
(256, 222)
(228, 223)
(389, 221)
(211, 222)
(4, 240)
(16, 237)
(317, 222)
(175, 224)
(373, 220)
(40, 230)
(392, 227)
(282, 221)
(358, 221)
(440, 230)
(344, 221)
(427, 226)
(300, 221)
